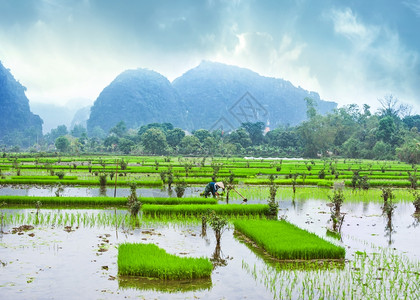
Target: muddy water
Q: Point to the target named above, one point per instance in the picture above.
(55, 264)
(67, 265)
(49, 191)
(362, 221)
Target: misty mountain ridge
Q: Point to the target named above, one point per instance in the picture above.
(209, 96)
(137, 97)
(55, 115)
(18, 125)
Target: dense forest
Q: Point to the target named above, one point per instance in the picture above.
(350, 131)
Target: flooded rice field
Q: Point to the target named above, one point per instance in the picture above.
(78, 259)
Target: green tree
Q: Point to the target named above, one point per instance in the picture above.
(201, 134)
(62, 144)
(125, 145)
(409, 152)
(164, 127)
(119, 130)
(154, 141)
(382, 151)
(78, 131)
(239, 136)
(310, 107)
(210, 145)
(255, 131)
(386, 129)
(55, 133)
(98, 133)
(174, 137)
(111, 143)
(190, 144)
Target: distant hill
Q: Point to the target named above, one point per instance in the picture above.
(137, 97)
(80, 117)
(210, 96)
(55, 115)
(219, 95)
(18, 125)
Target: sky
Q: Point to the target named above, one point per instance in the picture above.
(353, 51)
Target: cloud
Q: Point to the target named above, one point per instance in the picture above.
(375, 62)
(270, 56)
(71, 49)
(414, 5)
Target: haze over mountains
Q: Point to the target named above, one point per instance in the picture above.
(16, 117)
(209, 96)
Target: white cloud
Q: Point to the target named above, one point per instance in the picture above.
(374, 64)
(268, 56)
(414, 5)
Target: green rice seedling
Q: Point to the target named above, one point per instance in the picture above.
(148, 260)
(99, 201)
(285, 241)
(197, 210)
(43, 177)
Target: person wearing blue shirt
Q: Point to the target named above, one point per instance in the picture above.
(212, 188)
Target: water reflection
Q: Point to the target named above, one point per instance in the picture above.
(102, 191)
(416, 221)
(388, 211)
(166, 286)
(217, 258)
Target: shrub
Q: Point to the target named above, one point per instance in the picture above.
(180, 188)
(102, 179)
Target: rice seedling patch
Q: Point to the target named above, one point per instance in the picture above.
(286, 241)
(148, 260)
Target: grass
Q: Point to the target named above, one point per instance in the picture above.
(382, 274)
(114, 219)
(285, 241)
(197, 210)
(42, 177)
(304, 193)
(81, 182)
(100, 201)
(148, 260)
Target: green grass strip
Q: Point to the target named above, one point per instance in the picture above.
(286, 241)
(196, 210)
(42, 177)
(148, 260)
(80, 182)
(101, 201)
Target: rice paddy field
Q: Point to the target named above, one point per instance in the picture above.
(72, 237)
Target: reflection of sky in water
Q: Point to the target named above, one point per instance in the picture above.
(362, 221)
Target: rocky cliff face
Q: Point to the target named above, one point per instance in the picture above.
(221, 95)
(210, 96)
(137, 97)
(18, 125)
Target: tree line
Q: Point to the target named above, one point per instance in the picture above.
(351, 132)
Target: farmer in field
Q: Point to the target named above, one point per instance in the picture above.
(212, 188)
